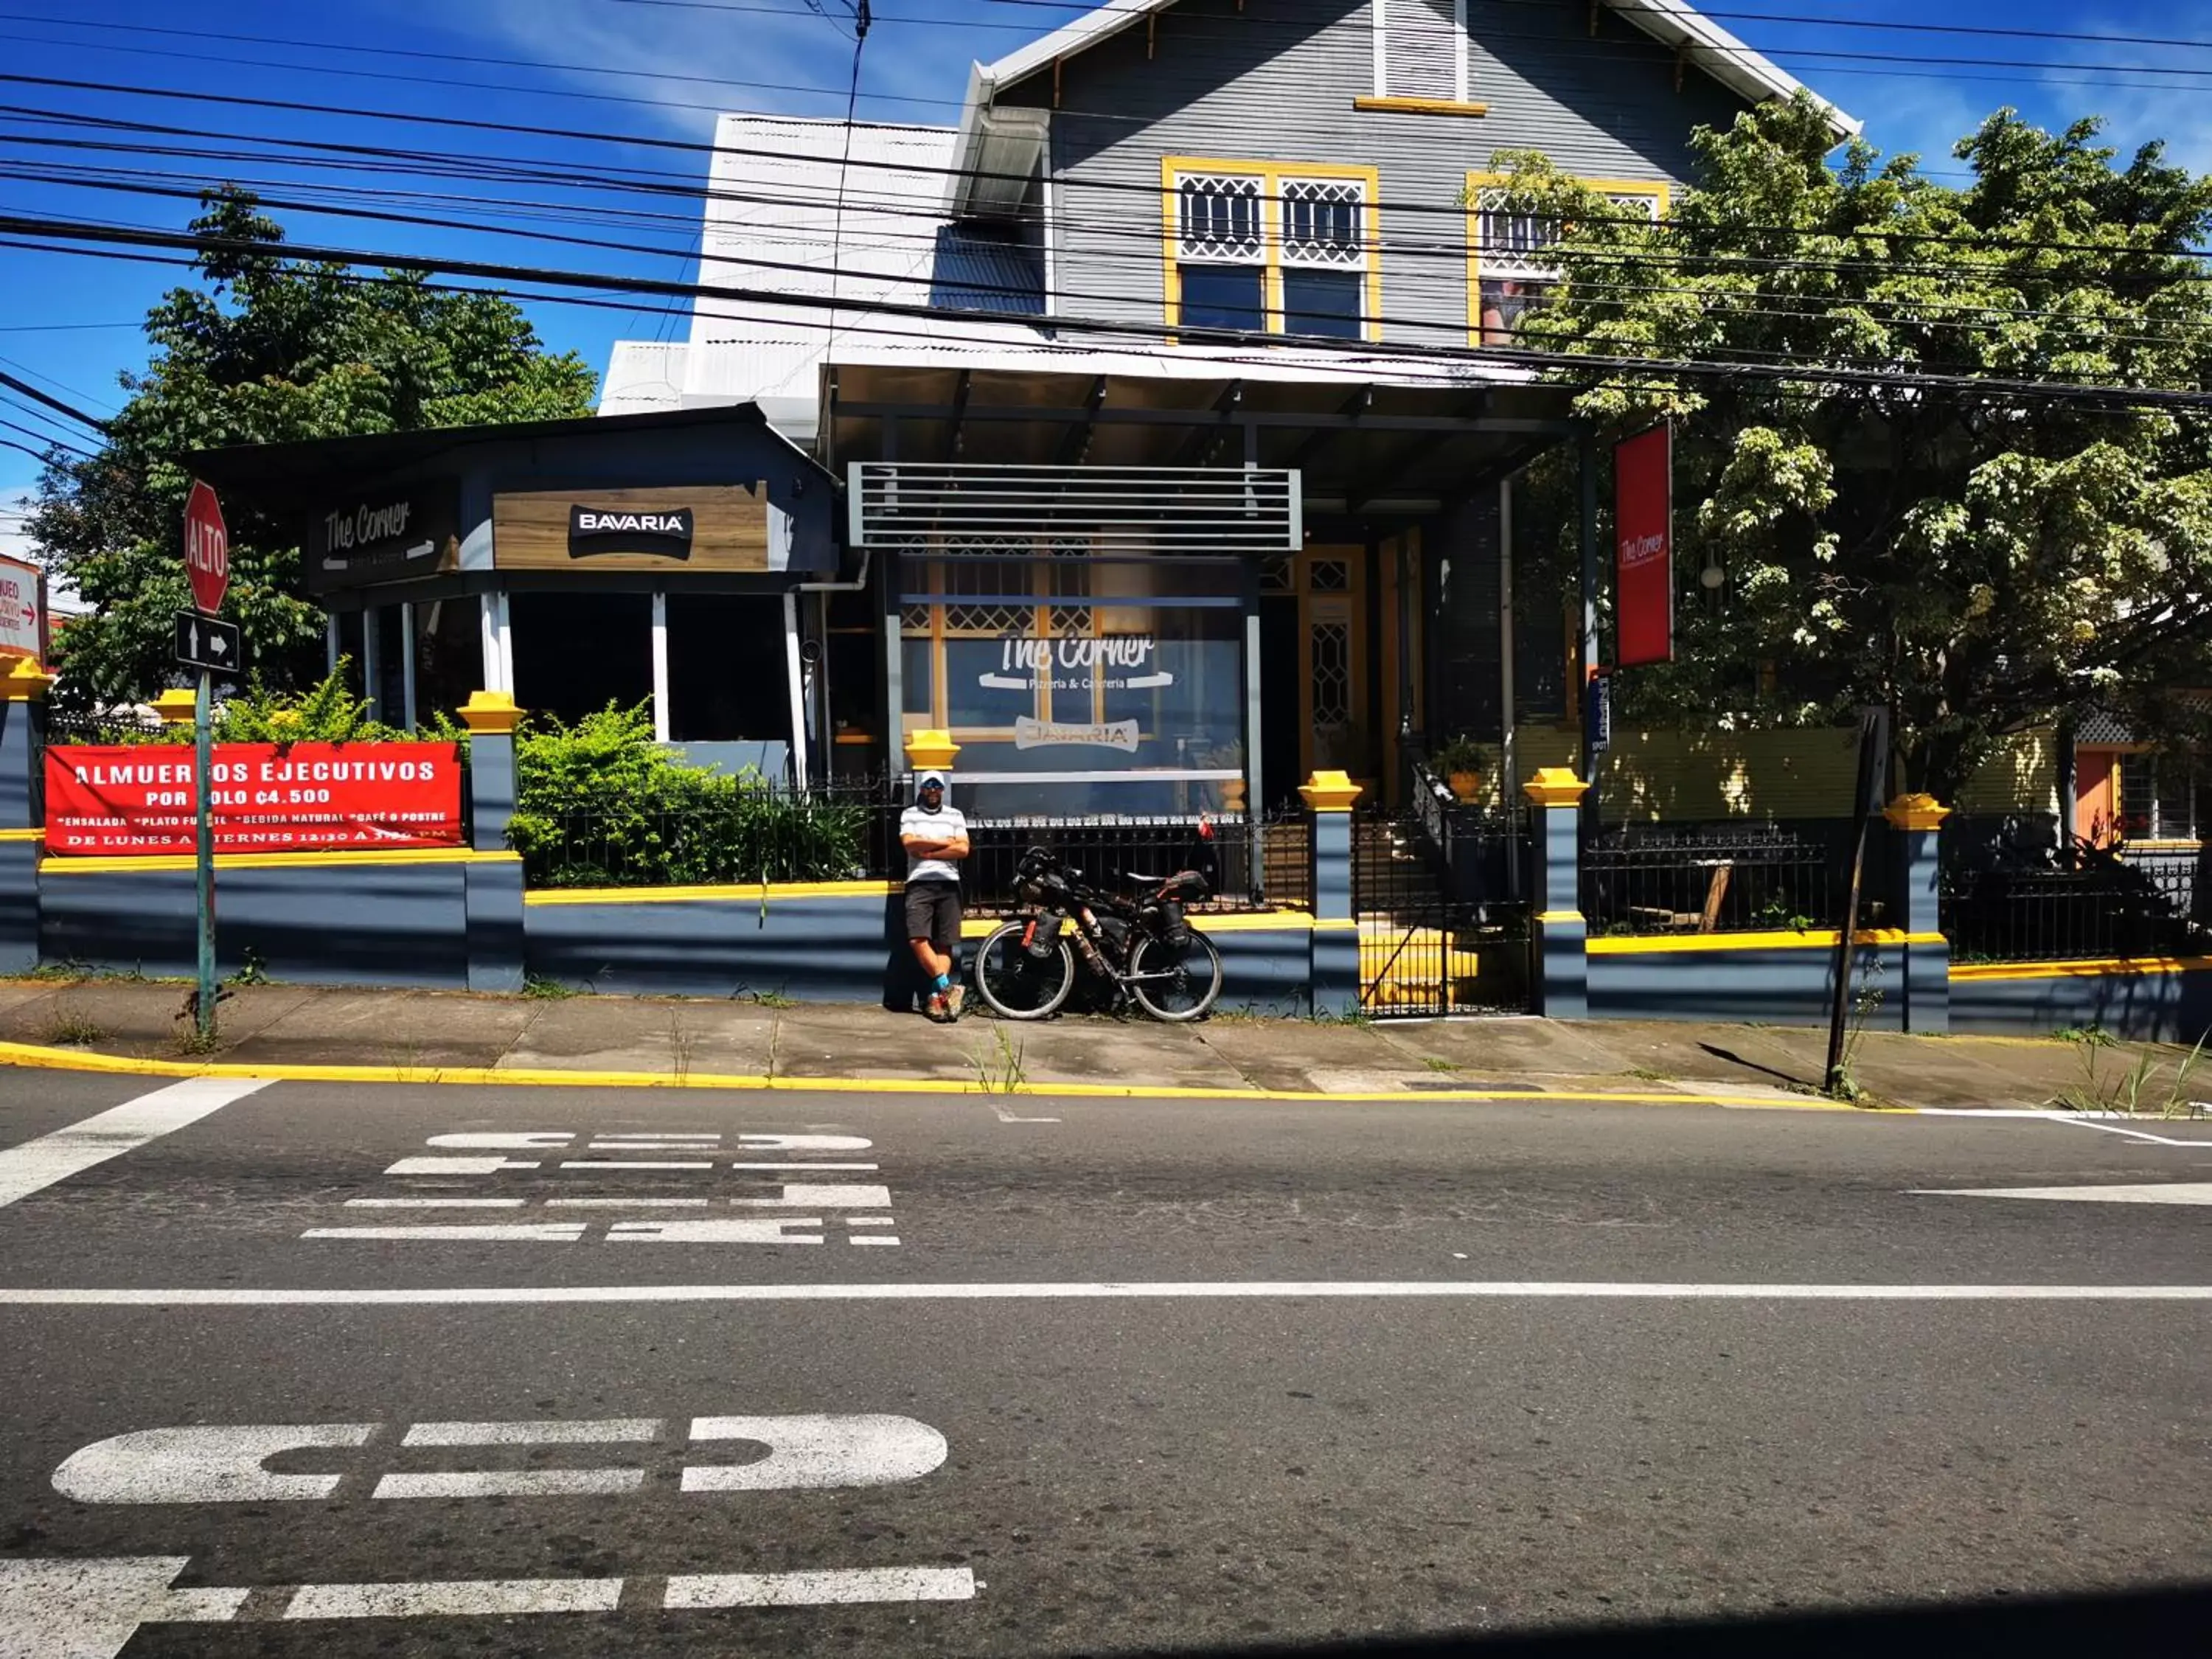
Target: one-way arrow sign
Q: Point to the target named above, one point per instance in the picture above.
(203, 643)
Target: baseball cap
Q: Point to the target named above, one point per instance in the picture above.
(928, 779)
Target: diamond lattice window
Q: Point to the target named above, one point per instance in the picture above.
(1330, 644)
(1323, 221)
(1512, 245)
(1220, 218)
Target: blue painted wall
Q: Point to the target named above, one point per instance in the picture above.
(1780, 985)
(2147, 1007)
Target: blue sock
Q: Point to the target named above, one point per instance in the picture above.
(943, 983)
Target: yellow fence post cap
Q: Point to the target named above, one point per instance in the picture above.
(1555, 786)
(1918, 811)
(26, 681)
(489, 711)
(931, 750)
(1330, 791)
(176, 706)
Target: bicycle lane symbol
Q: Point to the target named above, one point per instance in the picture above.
(90, 1607)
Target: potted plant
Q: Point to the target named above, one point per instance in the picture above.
(1460, 761)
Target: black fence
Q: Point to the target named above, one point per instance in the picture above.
(1112, 851)
(1442, 893)
(2012, 893)
(1726, 878)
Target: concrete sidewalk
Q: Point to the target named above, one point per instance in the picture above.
(667, 1038)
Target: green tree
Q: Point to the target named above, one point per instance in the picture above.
(1979, 563)
(266, 349)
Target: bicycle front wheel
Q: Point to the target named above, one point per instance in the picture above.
(1175, 983)
(1018, 984)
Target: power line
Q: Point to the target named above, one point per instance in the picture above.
(25, 389)
(1503, 357)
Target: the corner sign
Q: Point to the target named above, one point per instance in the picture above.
(593, 529)
(1643, 562)
(386, 535)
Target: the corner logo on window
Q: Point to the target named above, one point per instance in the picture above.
(621, 530)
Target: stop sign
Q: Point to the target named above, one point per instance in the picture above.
(207, 548)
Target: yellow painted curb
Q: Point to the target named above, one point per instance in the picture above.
(1623, 944)
(72, 1059)
(61, 864)
(2095, 968)
(726, 893)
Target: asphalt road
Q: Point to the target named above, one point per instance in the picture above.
(1068, 1376)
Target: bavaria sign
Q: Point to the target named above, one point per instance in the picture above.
(207, 548)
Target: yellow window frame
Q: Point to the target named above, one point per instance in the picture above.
(1272, 175)
(1657, 190)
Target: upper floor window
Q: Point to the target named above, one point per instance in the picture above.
(1420, 49)
(1272, 249)
(2159, 795)
(1511, 273)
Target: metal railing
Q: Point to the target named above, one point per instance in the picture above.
(1723, 878)
(2015, 896)
(1108, 850)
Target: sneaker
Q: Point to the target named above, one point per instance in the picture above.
(937, 1009)
(954, 998)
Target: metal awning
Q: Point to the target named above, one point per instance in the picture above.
(1373, 452)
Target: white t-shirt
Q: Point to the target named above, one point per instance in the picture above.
(945, 823)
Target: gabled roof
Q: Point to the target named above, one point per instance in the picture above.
(1704, 42)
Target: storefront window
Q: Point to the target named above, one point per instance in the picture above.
(728, 676)
(448, 654)
(1077, 684)
(576, 653)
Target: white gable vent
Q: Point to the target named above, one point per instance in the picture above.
(1420, 49)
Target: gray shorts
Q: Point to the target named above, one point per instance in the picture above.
(932, 912)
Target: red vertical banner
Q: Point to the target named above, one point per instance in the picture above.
(1644, 548)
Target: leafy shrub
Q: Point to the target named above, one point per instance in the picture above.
(598, 803)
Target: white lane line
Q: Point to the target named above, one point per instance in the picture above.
(703, 1590)
(2163, 1192)
(489, 1596)
(556, 1431)
(459, 1166)
(1005, 1116)
(767, 1143)
(434, 1204)
(867, 1221)
(870, 1168)
(512, 1483)
(873, 1238)
(733, 1230)
(2132, 1134)
(560, 1231)
(809, 1452)
(815, 1196)
(504, 1140)
(1263, 1289)
(652, 1143)
(37, 1164)
(632, 1164)
(219, 1464)
(626, 1203)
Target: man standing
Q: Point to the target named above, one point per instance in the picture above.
(935, 837)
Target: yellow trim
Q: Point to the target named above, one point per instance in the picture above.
(1555, 786)
(1329, 791)
(63, 865)
(77, 1060)
(2175, 846)
(1917, 811)
(1240, 922)
(770, 891)
(1272, 176)
(1559, 918)
(1419, 107)
(1821, 938)
(2093, 969)
(1660, 190)
(176, 706)
(22, 835)
(489, 712)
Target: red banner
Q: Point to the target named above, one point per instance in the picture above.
(268, 798)
(1644, 548)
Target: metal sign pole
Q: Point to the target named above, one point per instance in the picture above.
(203, 847)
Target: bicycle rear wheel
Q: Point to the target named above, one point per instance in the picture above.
(1018, 984)
(1189, 977)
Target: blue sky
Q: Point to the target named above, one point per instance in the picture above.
(661, 68)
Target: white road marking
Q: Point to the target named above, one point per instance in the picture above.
(731, 1230)
(625, 1203)
(638, 1143)
(2132, 1134)
(1075, 1290)
(459, 1166)
(511, 1483)
(814, 1451)
(434, 1204)
(787, 1165)
(524, 1140)
(38, 1164)
(803, 1143)
(867, 1221)
(90, 1608)
(701, 1591)
(2164, 1192)
(873, 1238)
(567, 1231)
(1005, 1116)
(826, 1196)
(500, 1596)
(631, 1163)
(588, 1432)
(205, 1465)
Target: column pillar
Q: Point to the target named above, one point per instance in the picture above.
(1558, 966)
(1335, 941)
(22, 752)
(492, 888)
(1916, 824)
